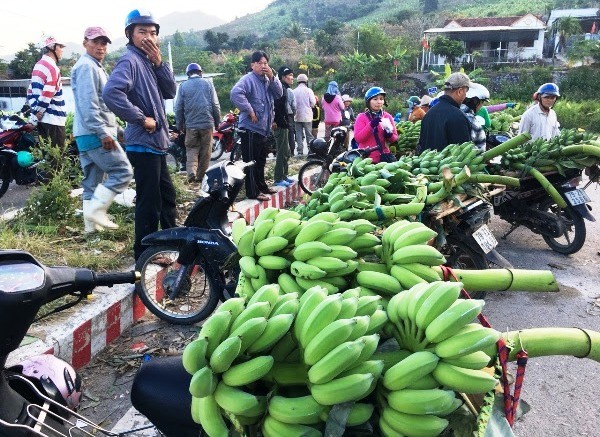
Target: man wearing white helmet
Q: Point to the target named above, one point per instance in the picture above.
(45, 95)
(477, 95)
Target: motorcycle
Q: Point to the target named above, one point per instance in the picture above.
(563, 229)
(226, 137)
(40, 395)
(16, 162)
(187, 270)
(176, 153)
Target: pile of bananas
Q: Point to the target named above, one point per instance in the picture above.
(454, 156)
(408, 138)
(503, 121)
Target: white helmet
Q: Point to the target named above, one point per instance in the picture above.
(50, 42)
(479, 91)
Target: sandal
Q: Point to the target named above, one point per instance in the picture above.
(263, 197)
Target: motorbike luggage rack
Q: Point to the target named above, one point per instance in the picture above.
(73, 426)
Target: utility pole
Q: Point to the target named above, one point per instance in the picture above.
(357, 39)
(306, 32)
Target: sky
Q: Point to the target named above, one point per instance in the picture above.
(25, 22)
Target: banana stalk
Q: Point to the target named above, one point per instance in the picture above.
(450, 181)
(545, 183)
(541, 342)
(392, 211)
(504, 279)
(517, 141)
(581, 149)
(495, 179)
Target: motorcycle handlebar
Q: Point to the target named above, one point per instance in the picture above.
(110, 279)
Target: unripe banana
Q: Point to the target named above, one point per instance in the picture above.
(214, 329)
(425, 272)
(225, 354)
(285, 214)
(248, 372)
(203, 383)
(245, 243)
(308, 302)
(239, 402)
(335, 362)
(350, 267)
(419, 293)
(267, 293)
(288, 284)
(328, 263)
(327, 216)
(475, 360)
(349, 306)
(288, 307)
(378, 319)
(367, 305)
(410, 370)
(262, 278)
(270, 245)
(390, 358)
(346, 389)
(371, 342)
(413, 424)
(374, 367)
(461, 312)
(463, 380)
(365, 266)
(364, 241)
(419, 253)
(273, 262)
(327, 339)
(250, 331)
(437, 302)
(238, 227)
(283, 347)
(360, 329)
(286, 227)
(277, 326)
(324, 313)
(248, 266)
(257, 309)
(269, 212)
(209, 417)
(306, 271)
(311, 231)
(261, 230)
(351, 292)
(471, 338)
(194, 355)
(427, 382)
(311, 249)
(386, 429)
(406, 278)
(419, 235)
(310, 283)
(274, 428)
(339, 236)
(235, 304)
(344, 253)
(289, 374)
(379, 281)
(433, 401)
(302, 410)
(362, 226)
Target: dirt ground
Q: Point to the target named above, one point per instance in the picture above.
(562, 391)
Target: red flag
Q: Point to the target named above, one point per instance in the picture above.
(425, 43)
(593, 27)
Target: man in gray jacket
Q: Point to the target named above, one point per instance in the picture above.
(197, 111)
(134, 92)
(254, 95)
(95, 131)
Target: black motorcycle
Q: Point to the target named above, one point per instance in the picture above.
(187, 270)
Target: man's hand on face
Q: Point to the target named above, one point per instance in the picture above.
(269, 72)
(152, 50)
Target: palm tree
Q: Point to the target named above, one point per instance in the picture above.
(565, 27)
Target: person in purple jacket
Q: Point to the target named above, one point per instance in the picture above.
(254, 95)
(134, 92)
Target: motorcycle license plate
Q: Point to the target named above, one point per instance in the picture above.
(485, 239)
(577, 197)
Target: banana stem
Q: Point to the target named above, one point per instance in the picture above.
(545, 183)
(504, 279)
(581, 149)
(541, 342)
(506, 146)
(495, 179)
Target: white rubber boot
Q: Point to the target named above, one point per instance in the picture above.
(89, 227)
(98, 206)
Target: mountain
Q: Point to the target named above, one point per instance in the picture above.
(186, 21)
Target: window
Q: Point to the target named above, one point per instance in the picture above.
(526, 43)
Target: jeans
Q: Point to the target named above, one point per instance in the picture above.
(155, 201)
(254, 148)
(303, 129)
(283, 153)
(97, 162)
(198, 145)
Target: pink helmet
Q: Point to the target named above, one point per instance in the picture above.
(56, 377)
(49, 42)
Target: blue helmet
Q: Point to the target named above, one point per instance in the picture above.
(372, 92)
(193, 67)
(548, 88)
(140, 16)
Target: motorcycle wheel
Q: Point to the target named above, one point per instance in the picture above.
(460, 256)
(574, 237)
(236, 152)
(217, 149)
(158, 268)
(312, 175)
(4, 178)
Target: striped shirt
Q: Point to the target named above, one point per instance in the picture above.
(45, 92)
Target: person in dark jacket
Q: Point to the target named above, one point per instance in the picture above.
(281, 127)
(134, 92)
(445, 123)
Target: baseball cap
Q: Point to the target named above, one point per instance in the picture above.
(457, 80)
(284, 71)
(96, 32)
(302, 78)
(346, 98)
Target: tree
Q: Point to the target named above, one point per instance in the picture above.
(21, 66)
(565, 27)
(372, 39)
(216, 41)
(178, 39)
(448, 48)
(428, 5)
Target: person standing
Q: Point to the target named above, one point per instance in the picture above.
(348, 117)
(332, 106)
(134, 92)
(197, 112)
(45, 94)
(305, 101)
(95, 131)
(445, 123)
(316, 118)
(281, 128)
(540, 120)
(291, 114)
(254, 95)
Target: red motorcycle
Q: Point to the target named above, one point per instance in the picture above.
(226, 137)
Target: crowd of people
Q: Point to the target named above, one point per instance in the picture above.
(268, 105)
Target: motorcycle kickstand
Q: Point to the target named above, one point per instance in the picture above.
(510, 231)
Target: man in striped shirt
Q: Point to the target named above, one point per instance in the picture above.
(45, 95)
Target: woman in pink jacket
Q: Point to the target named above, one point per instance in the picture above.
(332, 106)
(375, 127)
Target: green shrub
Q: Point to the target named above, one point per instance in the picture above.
(584, 115)
(581, 83)
(523, 88)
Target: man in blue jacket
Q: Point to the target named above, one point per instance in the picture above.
(134, 92)
(254, 95)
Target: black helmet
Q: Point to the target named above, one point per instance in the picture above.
(318, 146)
